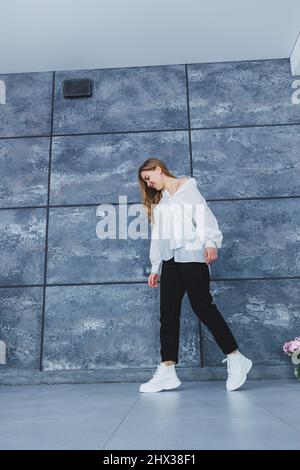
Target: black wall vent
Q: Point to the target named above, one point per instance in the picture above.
(77, 88)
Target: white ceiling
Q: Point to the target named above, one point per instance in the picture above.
(44, 35)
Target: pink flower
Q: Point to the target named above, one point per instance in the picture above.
(295, 345)
(290, 346)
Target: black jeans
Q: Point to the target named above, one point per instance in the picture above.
(194, 278)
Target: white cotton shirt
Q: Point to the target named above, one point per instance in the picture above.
(183, 227)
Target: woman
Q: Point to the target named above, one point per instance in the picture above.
(181, 257)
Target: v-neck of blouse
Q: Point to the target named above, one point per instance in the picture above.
(178, 190)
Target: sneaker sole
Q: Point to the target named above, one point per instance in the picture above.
(166, 386)
(246, 371)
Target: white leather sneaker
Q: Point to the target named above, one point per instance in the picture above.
(164, 378)
(238, 367)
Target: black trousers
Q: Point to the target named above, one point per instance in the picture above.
(194, 278)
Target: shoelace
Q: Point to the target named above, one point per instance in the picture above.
(228, 363)
(231, 369)
(156, 372)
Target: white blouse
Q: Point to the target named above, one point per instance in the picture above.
(183, 227)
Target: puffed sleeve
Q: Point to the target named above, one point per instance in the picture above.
(207, 225)
(154, 254)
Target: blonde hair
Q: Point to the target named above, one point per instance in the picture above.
(149, 195)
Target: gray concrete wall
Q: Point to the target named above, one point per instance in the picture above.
(77, 308)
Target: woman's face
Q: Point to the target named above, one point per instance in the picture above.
(153, 178)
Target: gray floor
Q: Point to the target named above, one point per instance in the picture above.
(197, 415)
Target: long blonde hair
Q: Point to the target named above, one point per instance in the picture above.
(149, 195)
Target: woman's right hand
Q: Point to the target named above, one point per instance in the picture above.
(153, 280)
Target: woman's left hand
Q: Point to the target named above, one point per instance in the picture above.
(210, 254)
